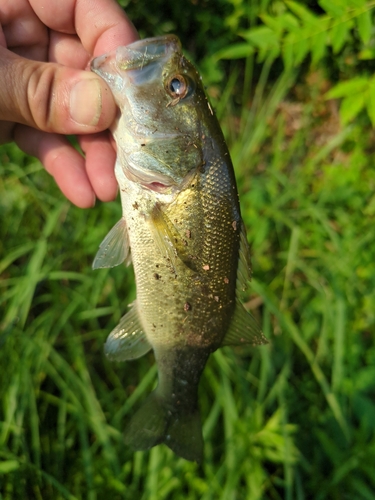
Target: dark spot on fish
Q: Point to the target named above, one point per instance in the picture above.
(143, 144)
(187, 306)
(135, 205)
(153, 324)
(157, 276)
(157, 266)
(205, 290)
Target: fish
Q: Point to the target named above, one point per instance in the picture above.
(181, 228)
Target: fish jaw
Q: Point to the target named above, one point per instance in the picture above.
(136, 55)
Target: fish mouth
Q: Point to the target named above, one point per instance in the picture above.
(157, 183)
(158, 187)
(141, 53)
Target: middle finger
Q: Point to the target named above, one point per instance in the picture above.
(67, 50)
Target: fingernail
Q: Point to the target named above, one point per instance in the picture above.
(86, 102)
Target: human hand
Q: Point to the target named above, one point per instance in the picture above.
(45, 94)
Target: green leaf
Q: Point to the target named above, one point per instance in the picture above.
(366, 54)
(274, 23)
(319, 45)
(236, 51)
(370, 103)
(262, 37)
(344, 89)
(289, 22)
(339, 33)
(364, 25)
(285, 22)
(332, 8)
(288, 50)
(301, 50)
(302, 12)
(351, 106)
(8, 466)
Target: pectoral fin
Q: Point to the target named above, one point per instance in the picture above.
(167, 238)
(244, 329)
(114, 249)
(127, 340)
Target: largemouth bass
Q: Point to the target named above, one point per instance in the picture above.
(182, 222)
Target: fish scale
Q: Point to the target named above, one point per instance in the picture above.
(182, 229)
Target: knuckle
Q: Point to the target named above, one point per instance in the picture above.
(43, 96)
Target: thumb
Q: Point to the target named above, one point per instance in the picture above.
(52, 97)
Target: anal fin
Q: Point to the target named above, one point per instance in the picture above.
(243, 329)
(127, 340)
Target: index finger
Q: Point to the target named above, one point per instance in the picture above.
(101, 25)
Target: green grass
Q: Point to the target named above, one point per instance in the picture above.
(291, 420)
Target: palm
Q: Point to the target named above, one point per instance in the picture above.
(70, 33)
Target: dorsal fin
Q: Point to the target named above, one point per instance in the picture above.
(243, 329)
(244, 261)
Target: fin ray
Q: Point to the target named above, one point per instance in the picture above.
(243, 329)
(156, 422)
(168, 239)
(114, 249)
(127, 340)
(244, 261)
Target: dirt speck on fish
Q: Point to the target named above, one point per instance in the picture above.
(182, 221)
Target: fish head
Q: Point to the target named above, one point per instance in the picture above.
(159, 129)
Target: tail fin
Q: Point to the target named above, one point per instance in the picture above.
(157, 422)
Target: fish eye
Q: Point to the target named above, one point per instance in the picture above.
(177, 86)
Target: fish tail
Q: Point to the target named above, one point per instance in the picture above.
(157, 422)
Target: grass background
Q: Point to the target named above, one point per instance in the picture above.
(291, 420)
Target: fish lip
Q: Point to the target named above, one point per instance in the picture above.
(168, 40)
(138, 54)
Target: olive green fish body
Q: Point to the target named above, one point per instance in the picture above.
(182, 222)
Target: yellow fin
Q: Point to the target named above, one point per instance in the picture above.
(127, 340)
(243, 329)
(114, 249)
(167, 238)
